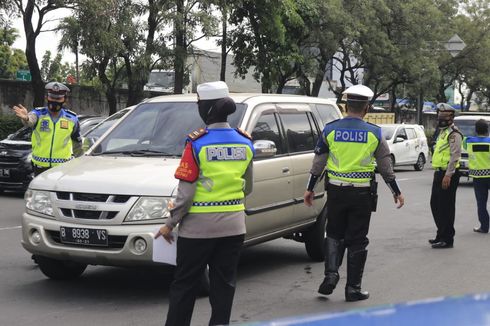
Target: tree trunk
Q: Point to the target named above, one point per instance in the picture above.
(224, 44)
(180, 47)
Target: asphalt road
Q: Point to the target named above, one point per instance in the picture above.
(275, 280)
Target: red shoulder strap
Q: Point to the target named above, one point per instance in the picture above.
(188, 169)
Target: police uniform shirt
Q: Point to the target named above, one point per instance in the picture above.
(455, 140)
(381, 154)
(76, 138)
(207, 225)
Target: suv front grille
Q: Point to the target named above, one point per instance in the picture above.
(9, 159)
(89, 215)
(81, 205)
(114, 241)
(100, 198)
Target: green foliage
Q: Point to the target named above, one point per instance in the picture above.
(11, 59)
(8, 125)
(54, 69)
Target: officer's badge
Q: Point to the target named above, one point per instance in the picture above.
(64, 124)
(44, 125)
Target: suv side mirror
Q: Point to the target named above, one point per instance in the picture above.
(10, 136)
(399, 139)
(265, 148)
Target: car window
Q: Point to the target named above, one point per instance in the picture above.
(267, 128)
(411, 133)
(102, 127)
(401, 133)
(299, 131)
(23, 134)
(327, 113)
(158, 128)
(467, 127)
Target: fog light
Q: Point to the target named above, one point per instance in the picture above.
(35, 237)
(140, 245)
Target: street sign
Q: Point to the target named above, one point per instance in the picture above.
(23, 75)
(455, 45)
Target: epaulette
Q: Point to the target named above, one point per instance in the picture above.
(244, 133)
(197, 134)
(71, 112)
(372, 124)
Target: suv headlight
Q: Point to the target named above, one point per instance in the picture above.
(149, 208)
(39, 201)
(28, 158)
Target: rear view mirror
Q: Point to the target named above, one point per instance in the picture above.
(265, 148)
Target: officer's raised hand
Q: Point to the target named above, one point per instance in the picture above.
(308, 198)
(400, 200)
(21, 112)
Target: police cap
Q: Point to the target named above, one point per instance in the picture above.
(358, 93)
(56, 90)
(212, 90)
(444, 107)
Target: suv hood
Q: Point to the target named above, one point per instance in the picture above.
(142, 176)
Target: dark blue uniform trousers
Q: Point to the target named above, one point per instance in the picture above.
(193, 255)
(481, 186)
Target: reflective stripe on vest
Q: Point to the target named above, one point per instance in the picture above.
(351, 154)
(478, 156)
(223, 156)
(442, 150)
(51, 142)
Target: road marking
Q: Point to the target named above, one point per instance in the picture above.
(11, 228)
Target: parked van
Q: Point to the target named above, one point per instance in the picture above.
(466, 124)
(408, 144)
(104, 207)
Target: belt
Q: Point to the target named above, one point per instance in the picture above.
(348, 184)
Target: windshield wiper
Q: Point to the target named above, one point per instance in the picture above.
(139, 152)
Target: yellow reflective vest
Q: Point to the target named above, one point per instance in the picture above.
(478, 156)
(442, 151)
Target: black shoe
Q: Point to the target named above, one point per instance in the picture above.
(355, 294)
(442, 245)
(329, 283)
(479, 230)
(435, 240)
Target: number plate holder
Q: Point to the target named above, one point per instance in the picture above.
(84, 236)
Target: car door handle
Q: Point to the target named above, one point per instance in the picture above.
(285, 170)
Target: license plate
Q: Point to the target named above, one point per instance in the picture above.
(4, 172)
(83, 236)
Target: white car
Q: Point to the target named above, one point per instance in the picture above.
(408, 144)
(466, 124)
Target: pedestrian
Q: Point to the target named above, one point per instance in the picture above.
(215, 174)
(445, 161)
(479, 169)
(55, 130)
(347, 151)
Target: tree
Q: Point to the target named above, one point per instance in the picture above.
(11, 59)
(69, 28)
(29, 10)
(54, 69)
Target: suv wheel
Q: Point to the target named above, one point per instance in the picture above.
(314, 237)
(59, 269)
(419, 165)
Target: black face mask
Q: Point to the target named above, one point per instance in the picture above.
(204, 108)
(55, 106)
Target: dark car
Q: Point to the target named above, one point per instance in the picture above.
(15, 159)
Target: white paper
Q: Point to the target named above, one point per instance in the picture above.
(164, 252)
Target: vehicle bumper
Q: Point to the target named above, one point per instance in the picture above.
(119, 253)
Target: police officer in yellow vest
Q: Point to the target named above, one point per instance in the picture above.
(445, 161)
(478, 148)
(215, 175)
(348, 147)
(56, 131)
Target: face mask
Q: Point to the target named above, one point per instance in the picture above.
(55, 106)
(204, 108)
(443, 123)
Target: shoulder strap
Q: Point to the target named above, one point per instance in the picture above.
(196, 134)
(244, 133)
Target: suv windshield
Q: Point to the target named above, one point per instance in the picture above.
(467, 127)
(157, 129)
(23, 134)
(102, 127)
(387, 132)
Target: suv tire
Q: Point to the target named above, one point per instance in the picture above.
(59, 269)
(314, 237)
(419, 166)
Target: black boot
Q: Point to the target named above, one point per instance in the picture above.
(334, 252)
(355, 268)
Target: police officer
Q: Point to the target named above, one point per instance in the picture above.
(479, 169)
(215, 175)
(348, 148)
(56, 131)
(445, 161)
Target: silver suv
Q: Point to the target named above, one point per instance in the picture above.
(104, 207)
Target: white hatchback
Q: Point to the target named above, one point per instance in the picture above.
(408, 144)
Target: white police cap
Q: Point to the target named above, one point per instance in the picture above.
(358, 93)
(212, 90)
(444, 107)
(56, 90)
